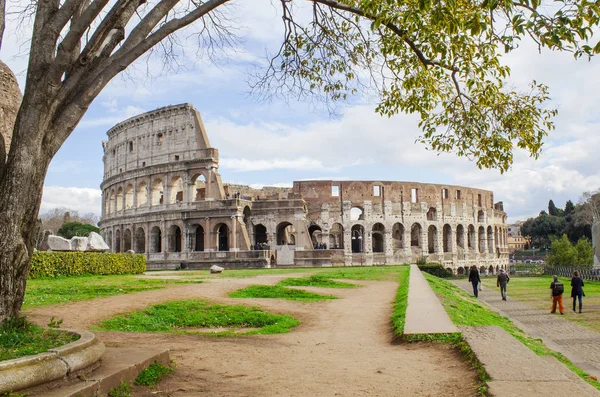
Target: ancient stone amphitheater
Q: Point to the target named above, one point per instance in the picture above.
(163, 196)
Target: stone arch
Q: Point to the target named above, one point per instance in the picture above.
(222, 233)
(157, 192)
(142, 194)
(155, 239)
(260, 234)
(117, 241)
(316, 234)
(357, 234)
(247, 213)
(447, 238)
(432, 239)
(490, 239)
(357, 213)
(398, 235)
(286, 234)
(449, 270)
(126, 240)
(480, 216)
(460, 236)
(432, 214)
(107, 202)
(197, 237)
(336, 236)
(119, 199)
(113, 201)
(129, 197)
(140, 240)
(378, 238)
(491, 270)
(198, 187)
(481, 240)
(471, 238)
(109, 239)
(460, 271)
(415, 235)
(174, 239)
(482, 270)
(176, 190)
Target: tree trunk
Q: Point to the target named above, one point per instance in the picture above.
(21, 184)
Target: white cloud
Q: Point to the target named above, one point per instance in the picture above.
(83, 200)
(243, 164)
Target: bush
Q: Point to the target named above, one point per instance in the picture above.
(435, 269)
(65, 264)
(71, 229)
(563, 253)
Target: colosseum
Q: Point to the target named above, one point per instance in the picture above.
(163, 196)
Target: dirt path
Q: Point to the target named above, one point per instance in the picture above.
(343, 347)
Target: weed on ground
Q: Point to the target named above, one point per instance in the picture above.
(399, 310)
(123, 390)
(19, 338)
(194, 316)
(277, 292)
(152, 375)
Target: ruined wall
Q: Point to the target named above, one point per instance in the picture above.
(10, 101)
(265, 193)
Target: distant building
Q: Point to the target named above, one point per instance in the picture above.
(515, 240)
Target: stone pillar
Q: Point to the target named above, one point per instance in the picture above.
(208, 184)
(424, 243)
(134, 201)
(147, 241)
(164, 237)
(233, 246)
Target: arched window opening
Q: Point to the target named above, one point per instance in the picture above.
(198, 187)
(472, 237)
(378, 233)
(415, 235)
(336, 236)
(109, 240)
(176, 190)
(113, 201)
(357, 234)
(357, 214)
(129, 197)
(247, 213)
(198, 238)
(481, 240)
(490, 239)
(432, 239)
(127, 240)
(140, 241)
(316, 235)
(223, 237)
(286, 234)
(260, 234)
(460, 236)
(174, 239)
(447, 238)
(118, 241)
(432, 214)
(142, 194)
(480, 217)
(157, 192)
(398, 235)
(119, 199)
(155, 239)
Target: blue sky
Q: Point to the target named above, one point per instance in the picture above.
(277, 142)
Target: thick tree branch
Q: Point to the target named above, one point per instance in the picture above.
(2, 19)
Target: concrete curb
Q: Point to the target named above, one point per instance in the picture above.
(54, 364)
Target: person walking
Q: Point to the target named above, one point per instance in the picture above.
(556, 291)
(577, 289)
(501, 282)
(475, 280)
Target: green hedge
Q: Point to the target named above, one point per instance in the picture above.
(65, 264)
(435, 269)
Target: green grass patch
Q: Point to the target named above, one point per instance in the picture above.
(535, 291)
(51, 291)
(197, 316)
(19, 338)
(379, 273)
(316, 280)
(152, 375)
(277, 292)
(123, 390)
(466, 310)
(401, 302)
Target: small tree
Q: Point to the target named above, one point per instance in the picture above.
(71, 229)
(563, 253)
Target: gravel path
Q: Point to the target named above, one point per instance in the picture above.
(343, 347)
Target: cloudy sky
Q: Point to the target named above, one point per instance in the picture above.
(282, 141)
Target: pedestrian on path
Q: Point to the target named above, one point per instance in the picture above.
(501, 282)
(474, 279)
(556, 291)
(577, 289)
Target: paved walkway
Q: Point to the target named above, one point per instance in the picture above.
(424, 312)
(581, 345)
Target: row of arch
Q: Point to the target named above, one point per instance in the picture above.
(482, 269)
(154, 193)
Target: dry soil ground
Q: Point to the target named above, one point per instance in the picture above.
(343, 347)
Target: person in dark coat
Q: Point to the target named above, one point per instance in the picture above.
(577, 289)
(501, 282)
(474, 279)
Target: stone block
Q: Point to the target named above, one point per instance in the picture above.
(79, 244)
(216, 269)
(57, 243)
(95, 242)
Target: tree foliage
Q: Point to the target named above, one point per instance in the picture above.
(564, 253)
(72, 229)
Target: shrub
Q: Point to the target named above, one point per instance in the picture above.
(435, 269)
(65, 264)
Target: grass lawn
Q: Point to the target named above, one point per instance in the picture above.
(19, 338)
(192, 316)
(277, 292)
(401, 302)
(50, 291)
(463, 309)
(535, 291)
(316, 280)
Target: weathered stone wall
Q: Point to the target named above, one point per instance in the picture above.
(10, 101)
